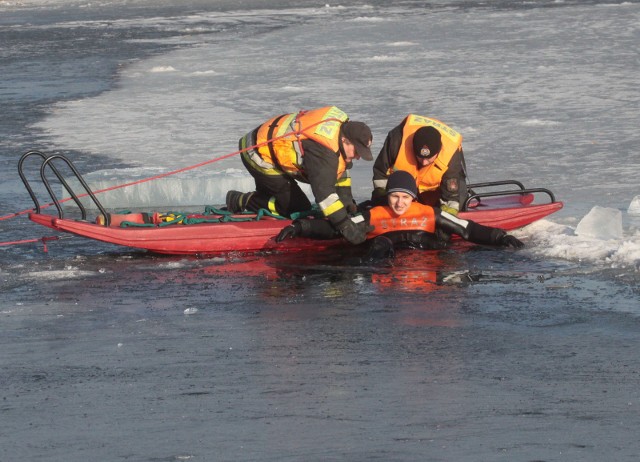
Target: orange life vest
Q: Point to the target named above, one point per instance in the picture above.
(320, 125)
(419, 217)
(428, 178)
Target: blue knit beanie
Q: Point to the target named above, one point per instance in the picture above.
(401, 181)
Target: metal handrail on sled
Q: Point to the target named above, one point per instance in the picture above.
(47, 161)
(521, 190)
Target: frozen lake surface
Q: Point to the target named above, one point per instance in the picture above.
(468, 354)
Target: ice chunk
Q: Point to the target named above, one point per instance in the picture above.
(601, 223)
(634, 206)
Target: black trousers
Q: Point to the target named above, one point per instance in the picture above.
(289, 197)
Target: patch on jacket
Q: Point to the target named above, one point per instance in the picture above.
(452, 184)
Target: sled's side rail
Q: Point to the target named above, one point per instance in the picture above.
(521, 190)
(27, 185)
(84, 184)
(47, 164)
(487, 184)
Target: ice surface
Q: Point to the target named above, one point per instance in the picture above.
(594, 244)
(634, 206)
(601, 223)
(66, 274)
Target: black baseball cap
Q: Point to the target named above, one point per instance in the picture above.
(360, 135)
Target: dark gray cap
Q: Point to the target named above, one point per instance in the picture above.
(401, 181)
(360, 135)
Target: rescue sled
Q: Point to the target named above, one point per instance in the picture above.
(502, 204)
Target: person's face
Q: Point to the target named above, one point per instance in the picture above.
(424, 162)
(349, 150)
(399, 202)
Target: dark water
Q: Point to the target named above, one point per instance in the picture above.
(462, 355)
(132, 357)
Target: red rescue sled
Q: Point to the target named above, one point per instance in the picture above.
(511, 206)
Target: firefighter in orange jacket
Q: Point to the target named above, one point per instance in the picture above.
(405, 223)
(432, 152)
(315, 147)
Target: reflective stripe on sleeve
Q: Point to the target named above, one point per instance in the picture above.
(344, 182)
(456, 220)
(331, 204)
(451, 204)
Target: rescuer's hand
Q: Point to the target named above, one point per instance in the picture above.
(355, 233)
(289, 232)
(510, 241)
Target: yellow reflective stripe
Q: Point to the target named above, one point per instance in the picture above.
(343, 182)
(272, 205)
(328, 201)
(333, 208)
(440, 126)
(331, 204)
(330, 128)
(285, 124)
(453, 205)
(259, 164)
(253, 157)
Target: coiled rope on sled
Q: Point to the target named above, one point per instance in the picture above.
(213, 215)
(210, 215)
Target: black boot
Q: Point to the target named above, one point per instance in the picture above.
(234, 201)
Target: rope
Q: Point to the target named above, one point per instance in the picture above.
(184, 169)
(43, 239)
(211, 215)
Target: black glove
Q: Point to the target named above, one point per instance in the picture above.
(510, 241)
(355, 233)
(291, 231)
(381, 248)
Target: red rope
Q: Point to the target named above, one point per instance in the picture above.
(43, 239)
(15, 214)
